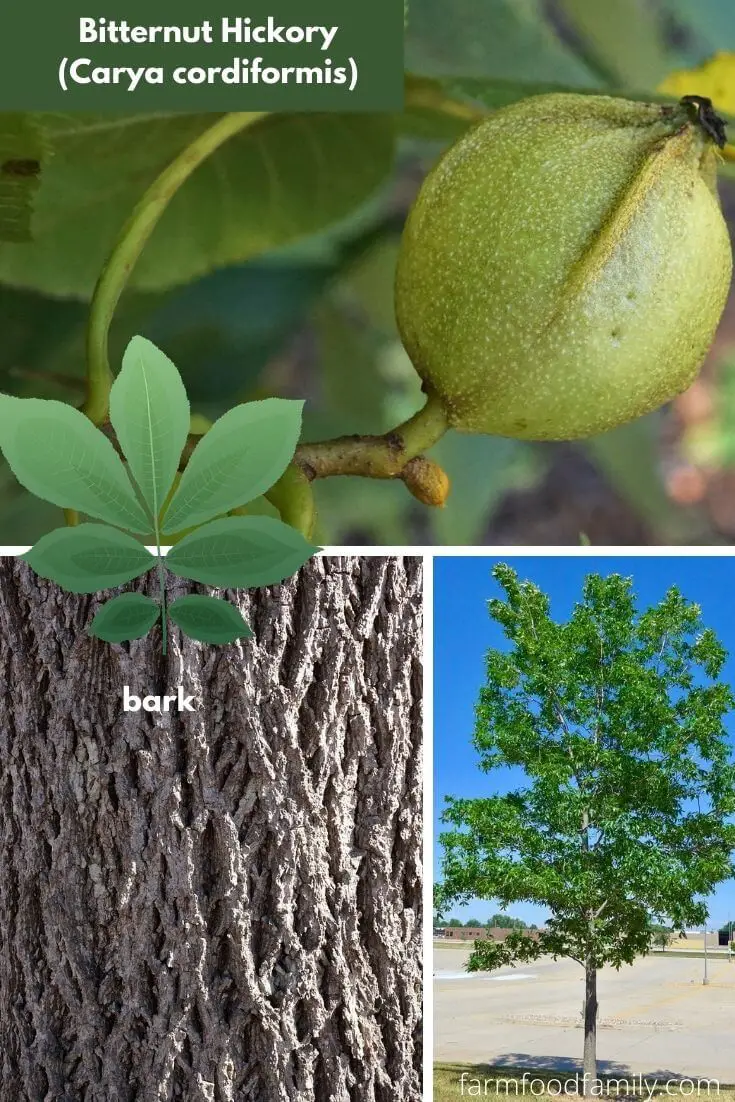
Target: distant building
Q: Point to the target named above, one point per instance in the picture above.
(694, 939)
(478, 933)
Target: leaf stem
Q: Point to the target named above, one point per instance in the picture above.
(427, 94)
(129, 245)
(293, 496)
(164, 611)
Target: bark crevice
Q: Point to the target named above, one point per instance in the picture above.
(226, 905)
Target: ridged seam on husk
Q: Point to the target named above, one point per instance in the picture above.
(598, 253)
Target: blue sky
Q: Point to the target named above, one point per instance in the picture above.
(463, 632)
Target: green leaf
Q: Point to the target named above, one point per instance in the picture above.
(629, 459)
(357, 396)
(378, 512)
(241, 456)
(240, 552)
(624, 39)
(23, 154)
(209, 619)
(224, 329)
(130, 616)
(150, 413)
(510, 39)
(710, 25)
(58, 454)
(482, 470)
(425, 117)
(286, 177)
(89, 557)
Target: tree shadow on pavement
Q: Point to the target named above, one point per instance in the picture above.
(524, 1061)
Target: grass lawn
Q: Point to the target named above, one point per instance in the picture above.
(448, 1084)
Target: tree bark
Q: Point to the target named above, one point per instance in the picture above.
(589, 1063)
(224, 905)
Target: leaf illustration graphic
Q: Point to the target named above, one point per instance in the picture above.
(241, 456)
(240, 552)
(89, 557)
(57, 453)
(209, 619)
(130, 616)
(150, 414)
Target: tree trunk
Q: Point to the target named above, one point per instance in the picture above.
(219, 906)
(589, 1064)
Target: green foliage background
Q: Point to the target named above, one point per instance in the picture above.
(272, 272)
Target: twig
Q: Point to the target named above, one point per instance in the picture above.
(395, 454)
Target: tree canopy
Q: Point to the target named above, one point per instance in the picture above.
(616, 719)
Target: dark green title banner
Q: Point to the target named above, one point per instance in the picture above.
(318, 55)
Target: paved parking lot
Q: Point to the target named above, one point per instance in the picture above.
(656, 1017)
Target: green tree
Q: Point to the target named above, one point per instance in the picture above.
(616, 719)
(661, 936)
(506, 922)
(476, 922)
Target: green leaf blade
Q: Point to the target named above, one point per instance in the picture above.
(709, 26)
(511, 39)
(209, 619)
(240, 552)
(89, 557)
(57, 453)
(241, 456)
(130, 616)
(623, 38)
(150, 414)
(287, 177)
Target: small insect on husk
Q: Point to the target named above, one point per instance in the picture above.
(708, 118)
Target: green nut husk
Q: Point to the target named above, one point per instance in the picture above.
(565, 266)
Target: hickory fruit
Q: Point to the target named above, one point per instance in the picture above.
(566, 264)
